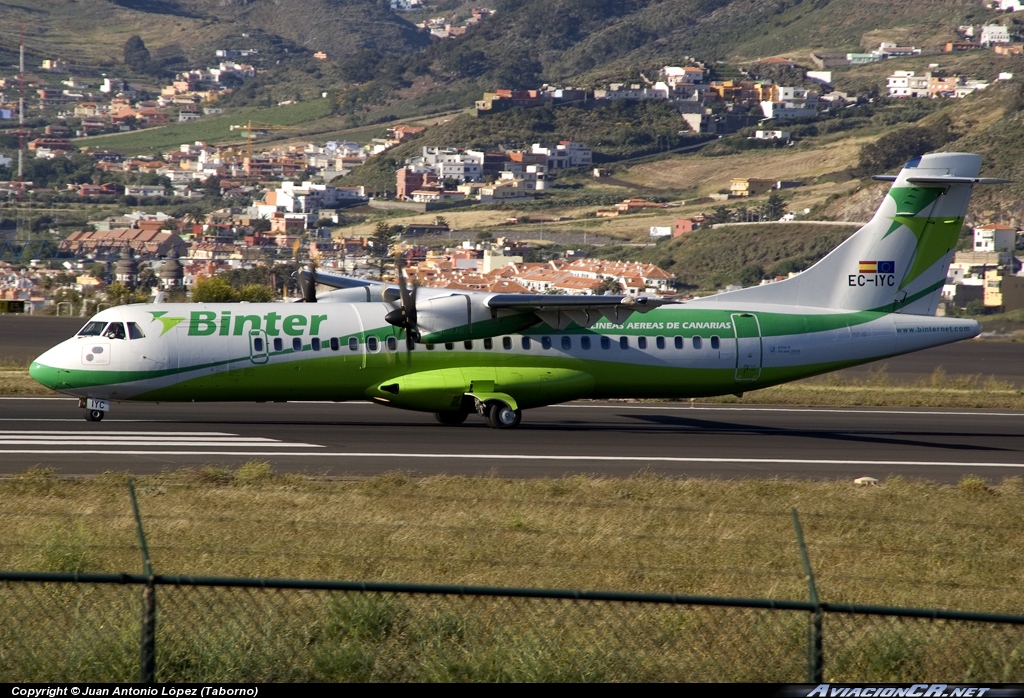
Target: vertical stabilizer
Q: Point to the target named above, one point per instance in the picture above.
(898, 261)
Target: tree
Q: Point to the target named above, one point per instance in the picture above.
(213, 289)
(260, 225)
(383, 238)
(119, 294)
(894, 149)
(256, 293)
(136, 55)
(720, 214)
(775, 208)
(609, 286)
(751, 275)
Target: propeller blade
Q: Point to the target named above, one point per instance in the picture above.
(307, 283)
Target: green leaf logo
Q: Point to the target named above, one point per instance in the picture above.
(167, 322)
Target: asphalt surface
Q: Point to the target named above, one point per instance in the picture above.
(608, 439)
(604, 439)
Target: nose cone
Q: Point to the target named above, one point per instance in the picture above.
(44, 371)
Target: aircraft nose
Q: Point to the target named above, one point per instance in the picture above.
(46, 367)
(43, 373)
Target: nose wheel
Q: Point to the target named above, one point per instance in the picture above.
(95, 408)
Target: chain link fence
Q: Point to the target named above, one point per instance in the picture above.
(66, 627)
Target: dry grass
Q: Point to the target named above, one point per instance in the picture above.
(877, 389)
(901, 543)
(14, 379)
(709, 174)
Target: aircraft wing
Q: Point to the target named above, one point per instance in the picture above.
(560, 311)
(347, 289)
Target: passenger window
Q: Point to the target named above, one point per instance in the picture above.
(449, 346)
(315, 342)
(566, 343)
(92, 329)
(585, 343)
(506, 343)
(545, 342)
(468, 344)
(372, 344)
(641, 342)
(660, 342)
(679, 342)
(714, 342)
(430, 347)
(623, 342)
(335, 344)
(296, 344)
(606, 343)
(278, 344)
(134, 331)
(353, 344)
(257, 345)
(392, 343)
(488, 343)
(526, 342)
(696, 342)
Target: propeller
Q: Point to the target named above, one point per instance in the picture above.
(307, 283)
(404, 315)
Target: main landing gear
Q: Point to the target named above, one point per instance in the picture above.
(499, 415)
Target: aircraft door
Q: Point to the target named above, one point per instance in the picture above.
(259, 352)
(748, 346)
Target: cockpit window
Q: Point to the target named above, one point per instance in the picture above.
(134, 331)
(92, 329)
(115, 330)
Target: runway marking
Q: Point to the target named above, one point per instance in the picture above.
(769, 408)
(523, 457)
(136, 439)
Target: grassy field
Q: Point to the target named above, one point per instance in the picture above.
(302, 117)
(900, 543)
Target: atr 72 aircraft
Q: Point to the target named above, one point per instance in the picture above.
(453, 353)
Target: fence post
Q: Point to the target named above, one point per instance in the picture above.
(147, 643)
(815, 654)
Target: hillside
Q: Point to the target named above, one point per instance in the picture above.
(93, 32)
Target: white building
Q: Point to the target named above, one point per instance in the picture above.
(996, 238)
(994, 34)
(905, 83)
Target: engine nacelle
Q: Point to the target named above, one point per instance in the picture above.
(460, 317)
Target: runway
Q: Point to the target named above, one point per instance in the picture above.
(609, 439)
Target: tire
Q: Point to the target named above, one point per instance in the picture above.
(94, 415)
(501, 416)
(451, 419)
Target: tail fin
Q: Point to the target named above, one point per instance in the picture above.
(898, 261)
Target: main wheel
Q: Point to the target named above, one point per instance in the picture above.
(94, 415)
(501, 416)
(451, 419)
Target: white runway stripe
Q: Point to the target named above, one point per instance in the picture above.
(136, 440)
(577, 458)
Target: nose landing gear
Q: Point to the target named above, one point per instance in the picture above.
(95, 409)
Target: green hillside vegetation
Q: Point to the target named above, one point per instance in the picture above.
(92, 32)
(300, 118)
(614, 131)
(709, 259)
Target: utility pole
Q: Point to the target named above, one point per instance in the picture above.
(21, 107)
